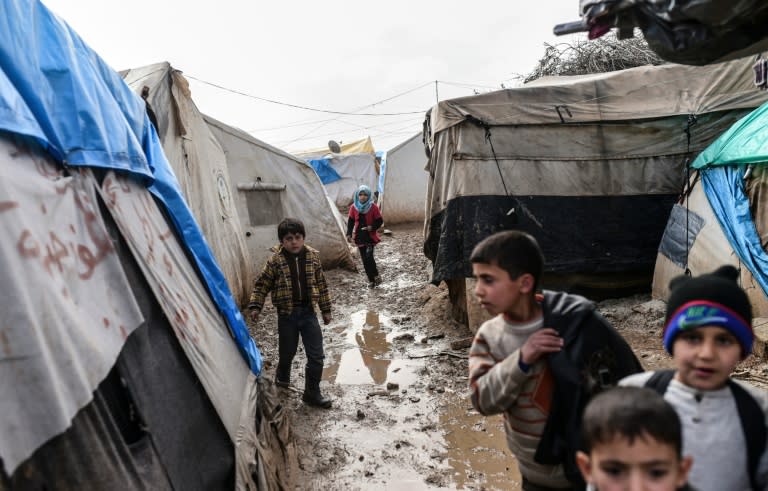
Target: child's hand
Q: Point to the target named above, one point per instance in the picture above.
(255, 316)
(326, 319)
(540, 343)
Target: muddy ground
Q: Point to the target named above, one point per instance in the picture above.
(401, 417)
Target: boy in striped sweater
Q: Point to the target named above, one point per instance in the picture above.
(539, 360)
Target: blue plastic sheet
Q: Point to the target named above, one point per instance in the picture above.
(58, 91)
(724, 188)
(324, 170)
(382, 171)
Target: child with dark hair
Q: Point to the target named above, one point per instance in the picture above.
(362, 225)
(294, 277)
(539, 360)
(708, 331)
(632, 440)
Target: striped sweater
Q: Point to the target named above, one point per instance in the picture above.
(499, 386)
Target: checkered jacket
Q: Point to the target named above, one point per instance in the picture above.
(275, 278)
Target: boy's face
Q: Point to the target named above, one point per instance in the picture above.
(293, 243)
(498, 293)
(644, 465)
(705, 357)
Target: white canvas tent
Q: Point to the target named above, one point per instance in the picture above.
(707, 247)
(405, 182)
(722, 217)
(201, 168)
(271, 185)
(112, 336)
(589, 165)
(121, 348)
(353, 166)
(354, 169)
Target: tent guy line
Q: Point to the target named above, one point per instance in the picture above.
(346, 113)
(296, 106)
(308, 136)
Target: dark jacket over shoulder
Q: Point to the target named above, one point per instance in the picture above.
(594, 357)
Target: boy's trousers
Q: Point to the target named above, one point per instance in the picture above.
(302, 321)
(369, 263)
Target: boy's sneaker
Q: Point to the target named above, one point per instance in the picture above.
(371, 284)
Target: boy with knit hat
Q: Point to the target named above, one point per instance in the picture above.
(708, 331)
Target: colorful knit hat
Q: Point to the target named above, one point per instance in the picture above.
(713, 299)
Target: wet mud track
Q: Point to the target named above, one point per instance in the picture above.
(401, 418)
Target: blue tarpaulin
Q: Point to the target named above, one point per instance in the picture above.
(324, 170)
(723, 165)
(58, 91)
(724, 187)
(382, 156)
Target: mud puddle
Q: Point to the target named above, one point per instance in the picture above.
(401, 417)
(432, 426)
(368, 358)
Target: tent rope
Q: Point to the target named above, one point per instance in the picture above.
(488, 138)
(493, 151)
(487, 129)
(687, 192)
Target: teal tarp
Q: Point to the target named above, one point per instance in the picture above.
(746, 142)
(723, 165)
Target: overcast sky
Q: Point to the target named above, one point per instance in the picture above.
(332, 55)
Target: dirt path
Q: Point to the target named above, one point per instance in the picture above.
(401, 417)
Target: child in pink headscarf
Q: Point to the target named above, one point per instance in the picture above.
(364, 220)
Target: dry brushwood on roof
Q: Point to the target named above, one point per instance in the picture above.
(605, 54)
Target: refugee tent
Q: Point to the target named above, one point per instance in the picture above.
(722, 217)
(589, 165)
(200, 165)
(405, 182)
(270, 185)
(124, 361)
(342, 173)
(363, 145)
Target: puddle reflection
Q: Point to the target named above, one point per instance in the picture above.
(476, 455)
(370, 360)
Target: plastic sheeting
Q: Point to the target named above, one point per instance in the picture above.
(364, 145)
(254, 166)
(581, 144)
(708, 247)
(355, 169)
(637, 93)
(181, 295)
(692, 32)
(403, 197)
(724, 187)
(746, 142)
(324, 170)
(200, 165)
(60, 92)
(64, 293)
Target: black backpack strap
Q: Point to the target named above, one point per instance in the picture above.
(753, 425)
(660, 380)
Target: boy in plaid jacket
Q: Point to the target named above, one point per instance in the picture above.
(294, 277)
